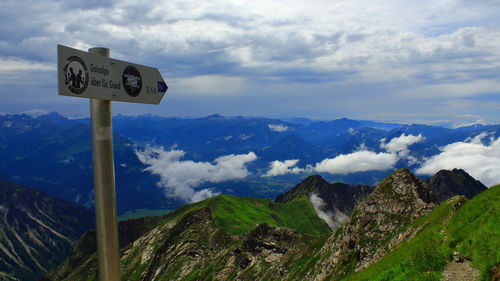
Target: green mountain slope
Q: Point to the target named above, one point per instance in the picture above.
(216, 239)
(396, 233)
(239, 215)
(471, 228)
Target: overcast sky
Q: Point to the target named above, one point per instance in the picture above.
(430, 61)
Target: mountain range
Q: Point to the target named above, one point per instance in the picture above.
(395, 231)
(53, 153)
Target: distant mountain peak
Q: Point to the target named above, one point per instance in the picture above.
(304, 188)
(214, 116)
(333, 202)
(448, 183)
(37, 112)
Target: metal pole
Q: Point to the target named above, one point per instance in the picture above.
(104, 186)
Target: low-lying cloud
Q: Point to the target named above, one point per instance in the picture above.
(278, 128)
(479, 156)
(400, 146)
(333, 219)
(362, 160)
(179, 178)
(278, 168)
(359, 161)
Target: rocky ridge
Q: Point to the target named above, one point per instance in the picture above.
(369, 233)
(193, 247)
(36, 231)
(193, 244)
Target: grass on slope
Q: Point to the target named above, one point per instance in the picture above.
(469, 227)
(239, 215)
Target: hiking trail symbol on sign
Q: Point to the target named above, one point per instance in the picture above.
(87, 75)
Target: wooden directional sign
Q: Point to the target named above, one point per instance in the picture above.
(87, 75)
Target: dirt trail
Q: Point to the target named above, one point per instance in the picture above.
(464, 271)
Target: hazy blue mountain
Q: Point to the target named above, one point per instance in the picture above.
(473, 127)
(54, 153)
(300, 121)
(58, 160)
(292, 147)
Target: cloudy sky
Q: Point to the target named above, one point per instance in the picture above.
(431, 61)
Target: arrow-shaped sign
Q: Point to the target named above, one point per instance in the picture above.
(87, 75)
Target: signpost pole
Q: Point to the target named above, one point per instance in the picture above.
(104, 185)
(95, 75)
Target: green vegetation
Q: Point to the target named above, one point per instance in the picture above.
(475, 230)
(239, 215)
(471, 228)
(139, 213)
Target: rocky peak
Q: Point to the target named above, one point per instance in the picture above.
(446, 184)
(305, 187)
(376, 223)
(333, 202)
(404, 186)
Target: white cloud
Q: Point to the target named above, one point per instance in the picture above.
(278, 168)
(204, 194)
(362, 160)
(221, 51)
(478, 156)
(17, 64)
(477, 122)
(278, 128)
(400, 146)
(333, 219)
(36, 112)
(179, 178)
(359, 161)
(245, 137)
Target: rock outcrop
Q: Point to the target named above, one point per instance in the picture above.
(376, 226)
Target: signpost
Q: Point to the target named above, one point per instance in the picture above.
(96, 76)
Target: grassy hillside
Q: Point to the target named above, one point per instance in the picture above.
(238, 215)
(223, 235)
(470, 227)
